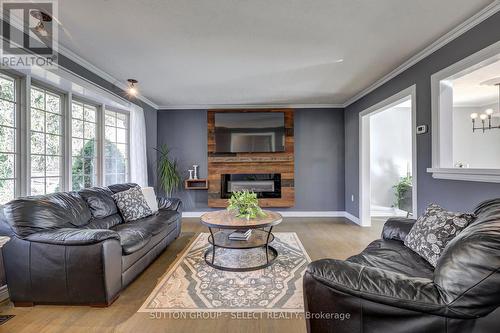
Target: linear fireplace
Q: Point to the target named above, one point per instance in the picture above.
(264, 185)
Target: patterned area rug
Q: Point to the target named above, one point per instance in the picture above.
(193, 286)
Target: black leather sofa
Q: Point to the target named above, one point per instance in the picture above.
(390, 288)
(74, 248)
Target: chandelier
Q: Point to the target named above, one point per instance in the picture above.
(486, 126)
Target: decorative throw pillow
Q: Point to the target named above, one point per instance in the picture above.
(132, 204)
(150, 196)
(434, 230)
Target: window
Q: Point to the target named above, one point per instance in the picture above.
(8, 142)
(83, 145)
(466, 118)
(46, 142)
(59, 140)
(116, 147)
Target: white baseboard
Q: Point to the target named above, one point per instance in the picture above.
(297, 214)
(353, 218)
(381, 211)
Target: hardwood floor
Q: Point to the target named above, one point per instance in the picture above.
(321, 237)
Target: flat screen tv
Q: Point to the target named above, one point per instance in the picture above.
(249, 132)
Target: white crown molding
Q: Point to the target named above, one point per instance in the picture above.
(94, 69)
(248, 106)
(343, 214)
(470, 23)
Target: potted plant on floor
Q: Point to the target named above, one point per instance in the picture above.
(403, 193)
(168, 171)
(245, 204)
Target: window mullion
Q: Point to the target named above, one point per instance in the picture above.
(67, 159)
(101, 146)
(24, 128)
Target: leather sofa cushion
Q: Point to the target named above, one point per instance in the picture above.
(100, 201)
(105, 223)
(136, 234)
(52, 211)
(393, 256)
(72, 236)
(121, 187)
(156, 223)
(132, 237)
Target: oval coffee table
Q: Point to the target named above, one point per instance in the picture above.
(227, 222)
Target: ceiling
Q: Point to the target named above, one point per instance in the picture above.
(217, 52)
(469, 90)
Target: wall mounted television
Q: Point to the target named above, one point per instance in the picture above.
(249, 132)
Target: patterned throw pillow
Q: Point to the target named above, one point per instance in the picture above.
(434, 230)
(132, 204)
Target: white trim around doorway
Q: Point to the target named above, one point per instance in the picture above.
(364, 150)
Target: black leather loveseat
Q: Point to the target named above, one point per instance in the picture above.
(74, 248)
(390, 288)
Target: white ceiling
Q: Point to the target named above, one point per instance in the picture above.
(469, 90)
(186, 52)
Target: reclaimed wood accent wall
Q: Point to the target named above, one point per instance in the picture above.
(260, 163)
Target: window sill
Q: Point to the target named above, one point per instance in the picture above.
(473, 175)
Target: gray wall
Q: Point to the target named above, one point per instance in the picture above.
(455, 195)
(319, 155)
(150, 113)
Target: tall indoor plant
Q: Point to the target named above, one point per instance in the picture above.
(168, 171)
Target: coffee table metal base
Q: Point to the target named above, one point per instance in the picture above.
(270, 251)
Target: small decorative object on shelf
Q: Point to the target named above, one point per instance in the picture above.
(245, 204)
(196, 168)
(191, 174)
(196, 184)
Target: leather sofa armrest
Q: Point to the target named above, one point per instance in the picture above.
(397, 228)
(170, 204)
(381, 286)
(43, 271)
(72, 236)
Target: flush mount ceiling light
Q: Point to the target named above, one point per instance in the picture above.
(132, 89)
(41, 17)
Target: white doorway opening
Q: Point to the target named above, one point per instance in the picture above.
(388, 157)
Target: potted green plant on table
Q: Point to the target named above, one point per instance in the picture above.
(168, 171)
(245, 204)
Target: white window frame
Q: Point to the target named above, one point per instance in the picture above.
(441, 131)
(69, 87)
(64, 115)
(17, 132)
(98, 121)
(111, 109)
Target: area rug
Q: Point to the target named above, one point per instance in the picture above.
(191, 285)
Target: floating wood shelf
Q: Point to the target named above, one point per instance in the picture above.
(196, 184)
